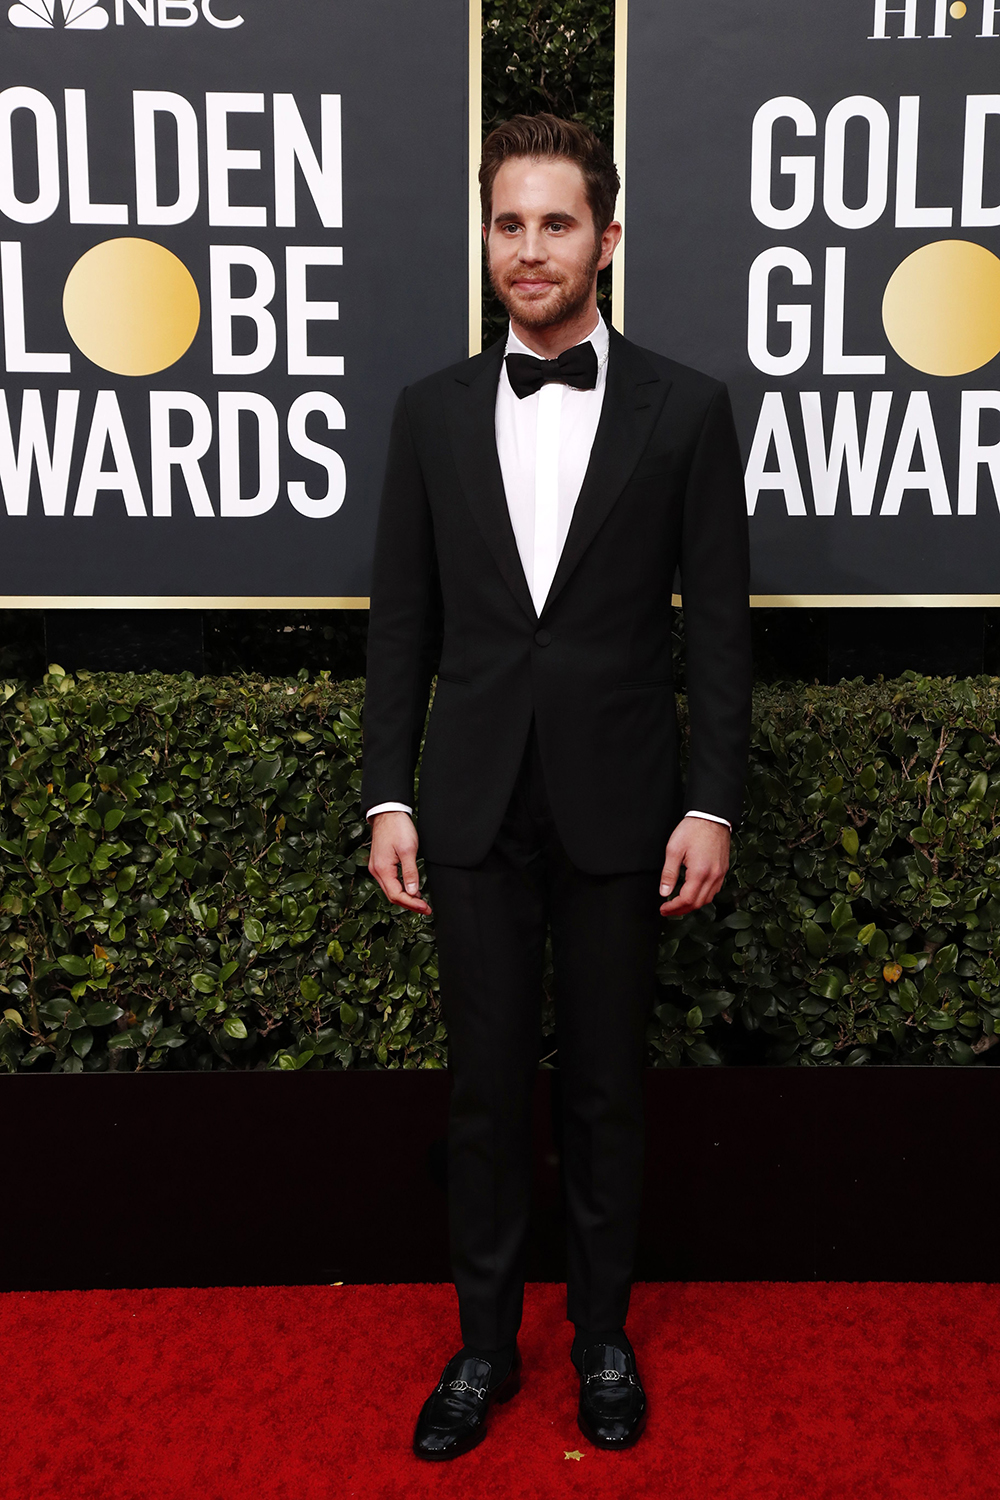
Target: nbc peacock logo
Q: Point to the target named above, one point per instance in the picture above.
(73, 15)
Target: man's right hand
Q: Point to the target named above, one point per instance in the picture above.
(394, 854)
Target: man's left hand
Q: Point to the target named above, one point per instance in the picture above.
(702, 848)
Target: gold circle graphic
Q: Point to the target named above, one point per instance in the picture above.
(131, 307)
(941, 309)
(957, 9)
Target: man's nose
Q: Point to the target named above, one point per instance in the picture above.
(532, 247)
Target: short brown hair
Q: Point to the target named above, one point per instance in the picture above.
(547, 135)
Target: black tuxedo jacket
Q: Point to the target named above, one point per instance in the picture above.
(664, 489)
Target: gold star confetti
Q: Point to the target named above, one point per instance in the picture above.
(575, 1454)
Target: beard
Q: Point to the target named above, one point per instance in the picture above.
(572, 293)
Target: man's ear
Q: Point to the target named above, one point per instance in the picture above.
(610, 240)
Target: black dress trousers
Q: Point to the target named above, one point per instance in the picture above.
(491, 923)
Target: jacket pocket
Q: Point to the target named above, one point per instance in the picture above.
(655, 682)
(451, 677)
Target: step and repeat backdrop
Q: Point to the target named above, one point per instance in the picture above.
(813, 215)
(230, 232)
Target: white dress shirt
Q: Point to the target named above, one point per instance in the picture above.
(543, 443)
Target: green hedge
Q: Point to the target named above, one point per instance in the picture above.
(183, 884)
(557, 57)
(862, 920)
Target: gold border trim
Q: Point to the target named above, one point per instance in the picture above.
(181, 601)
(358, 601)
(621, 89)
(875, 601)
(475, 151)
(867, 601)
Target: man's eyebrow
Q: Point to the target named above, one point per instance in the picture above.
(549, 218)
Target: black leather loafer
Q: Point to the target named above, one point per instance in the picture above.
(612, 1401)
(453, 1418)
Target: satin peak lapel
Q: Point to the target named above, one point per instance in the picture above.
(470, 414)
(632, 403)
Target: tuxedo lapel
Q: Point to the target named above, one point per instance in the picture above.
(632, 403)
(470, 413)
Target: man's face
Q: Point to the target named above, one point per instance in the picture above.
(541, 245)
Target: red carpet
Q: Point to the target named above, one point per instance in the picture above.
(789, 1392)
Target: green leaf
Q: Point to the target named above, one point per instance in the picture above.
(705, 1056)
(102, 1013)
(909, 995)
(205, 984)
(878, 946)
(849, 841)
(816, 939)
(946, 958)
(266, 771)
(255, 885)
(72, 964)
(82, 1042)
(254, 931)
(714, 1002)
(56, 1010)
(738, 920)
(234, 1027)
(310, 989)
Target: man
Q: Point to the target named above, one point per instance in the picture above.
(538, 501)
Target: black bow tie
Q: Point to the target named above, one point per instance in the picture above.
(576, 367)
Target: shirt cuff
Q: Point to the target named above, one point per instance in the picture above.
(387, 807)
(709, 818)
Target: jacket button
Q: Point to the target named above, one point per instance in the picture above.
(542, 638)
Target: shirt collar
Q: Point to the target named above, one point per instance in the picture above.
(598, 336)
